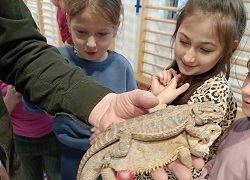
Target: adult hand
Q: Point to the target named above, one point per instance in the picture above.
(93, 137)
(115, 108)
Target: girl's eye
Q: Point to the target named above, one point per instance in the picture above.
(248, 74)
(82, 32)
(102, 34)
(205, 50)
(183, 42)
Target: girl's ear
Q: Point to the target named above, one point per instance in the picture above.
(235, 44)
(116, 29)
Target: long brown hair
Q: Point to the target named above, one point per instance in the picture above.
(229, 18)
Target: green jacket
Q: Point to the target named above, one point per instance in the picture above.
(40, 73)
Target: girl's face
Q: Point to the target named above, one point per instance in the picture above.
(197, 48)
(246, 95)
(91, 36)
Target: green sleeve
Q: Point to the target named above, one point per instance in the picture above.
(38, 71)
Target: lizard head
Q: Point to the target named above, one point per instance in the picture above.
(205, 112)
(197, 147)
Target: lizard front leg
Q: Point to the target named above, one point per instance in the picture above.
(184, 156)
(123, 146)
(108, 174)
(196, 132)
(119, 152)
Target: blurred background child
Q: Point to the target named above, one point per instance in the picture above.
(34, 140)
(62, 22)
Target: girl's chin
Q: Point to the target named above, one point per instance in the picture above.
(186, 73)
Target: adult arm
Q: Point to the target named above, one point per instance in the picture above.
(38, 71)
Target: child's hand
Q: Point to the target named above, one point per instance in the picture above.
(12, 97)
(96, 133)
(170, 92)
(161, 80)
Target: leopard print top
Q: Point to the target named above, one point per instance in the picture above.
(218, 90)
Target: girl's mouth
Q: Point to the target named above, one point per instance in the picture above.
(91, 53)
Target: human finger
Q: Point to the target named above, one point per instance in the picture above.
(183, 88)
(170, 92)
(94, 136)
(198, 163)
(159, 174)
(174, 83)
(167, 76)
(124, 175)
(144, 99)
(179, 170)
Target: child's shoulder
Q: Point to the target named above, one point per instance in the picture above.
(217, 82)
(115, 55)
(119, 58)
(64, 48)
(217, 79)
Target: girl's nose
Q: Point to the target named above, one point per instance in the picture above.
(91, 42)
(189, 56)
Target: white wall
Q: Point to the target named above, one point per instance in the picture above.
(128, 37)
